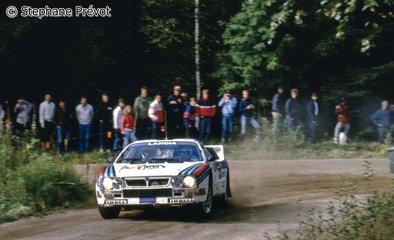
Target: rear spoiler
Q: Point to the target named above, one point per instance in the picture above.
(217, 151)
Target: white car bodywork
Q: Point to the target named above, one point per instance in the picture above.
(164, 181)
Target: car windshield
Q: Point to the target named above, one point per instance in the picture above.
(161, 152)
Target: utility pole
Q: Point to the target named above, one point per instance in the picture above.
(197, 47)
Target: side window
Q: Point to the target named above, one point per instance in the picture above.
(207, 154)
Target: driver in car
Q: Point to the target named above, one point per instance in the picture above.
(183, 154)
(147, 154)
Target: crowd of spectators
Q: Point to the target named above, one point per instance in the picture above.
(176, 116)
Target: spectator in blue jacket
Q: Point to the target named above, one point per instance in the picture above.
(228, 104)
(293, 111)
(382, 119)
(189, 119)
(313, 112)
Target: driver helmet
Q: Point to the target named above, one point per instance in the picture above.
(183, 153)
(147, 153)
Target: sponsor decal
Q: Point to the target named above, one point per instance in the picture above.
(162, 143)
(180, 200)
(147, 200)
(116, 202)
(150, 167)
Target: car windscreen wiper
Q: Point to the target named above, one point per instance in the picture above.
(130, 160)
(170, 160)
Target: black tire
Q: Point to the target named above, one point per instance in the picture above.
(109, 212)
(204, 209)
(222, 201)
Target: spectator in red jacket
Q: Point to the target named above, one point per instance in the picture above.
(156, 114)
(127, 127)
(206, 109)
(343, 119)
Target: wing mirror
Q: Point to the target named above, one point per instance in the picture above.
(110, 159)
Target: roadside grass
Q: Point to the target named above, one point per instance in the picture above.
(288, 149)
(294, 145)
(349, 216)
(34, 182)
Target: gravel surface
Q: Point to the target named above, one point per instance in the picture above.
(267, 197)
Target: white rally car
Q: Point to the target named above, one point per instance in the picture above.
(163, 173)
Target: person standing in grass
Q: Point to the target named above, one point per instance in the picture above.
(175, 109)
(2, 115)
(46, 114)
(293, 111)
(156, 114)
(246, 109)
(141, 107)
(63, 121)
(382, 119)
(206, 109)
(228, 103)
(313, 113)
(117, 123)
(189, 119)
(84, 113)
(22, 111)
(278, 110)
(128, 126)
(343, 119)
(104, 117)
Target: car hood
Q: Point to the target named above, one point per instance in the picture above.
(154, 169)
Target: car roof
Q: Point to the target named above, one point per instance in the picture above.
(186, 140)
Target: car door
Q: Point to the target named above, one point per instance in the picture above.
(219, 168)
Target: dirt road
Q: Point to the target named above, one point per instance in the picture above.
(267, 196)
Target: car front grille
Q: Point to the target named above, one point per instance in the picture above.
(136, 182)
(132, 193)
(147, 182)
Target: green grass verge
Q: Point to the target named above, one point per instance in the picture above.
(34, 182)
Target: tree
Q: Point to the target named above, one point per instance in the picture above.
(339, 48)
(283, 41)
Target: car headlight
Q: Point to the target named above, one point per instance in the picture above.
(189, 181)
(107, 183)
(117, 183)
(176, 182)
(112, 183)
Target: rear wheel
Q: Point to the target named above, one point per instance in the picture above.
(109, 212)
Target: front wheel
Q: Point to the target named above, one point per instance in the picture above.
(204, 209)
(109, 212)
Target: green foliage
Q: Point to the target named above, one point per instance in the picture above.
(340, 48)
(349, 217)
(168, 50)
(34, 182)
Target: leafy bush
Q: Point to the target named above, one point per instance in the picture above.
(33, 181)
(350, 217)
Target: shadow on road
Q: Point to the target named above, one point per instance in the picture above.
(223, 215)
